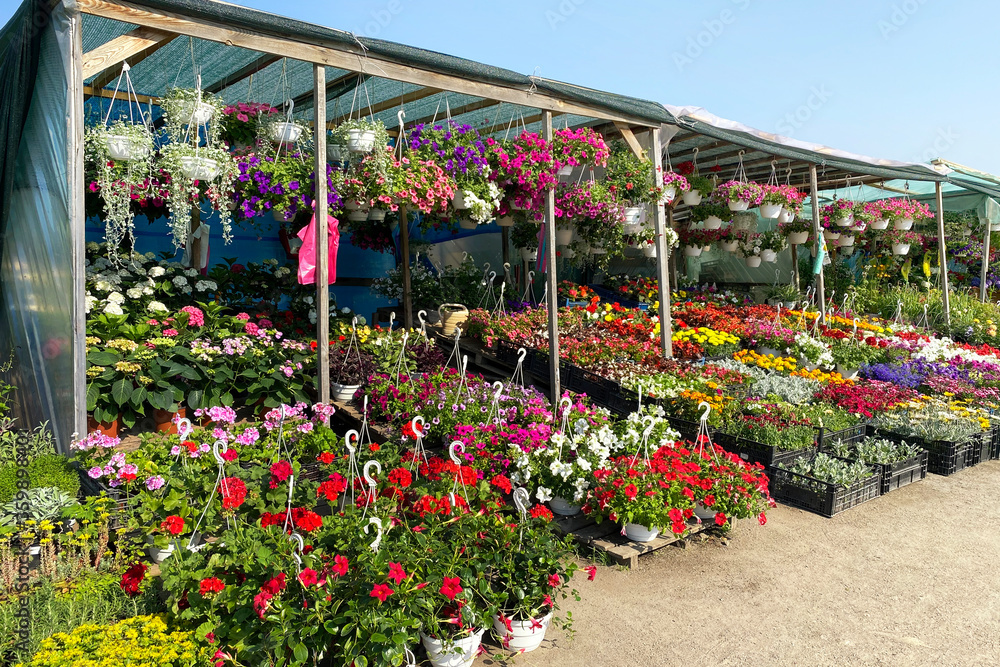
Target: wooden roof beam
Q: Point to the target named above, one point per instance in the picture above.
(102, 60)
(90, 91)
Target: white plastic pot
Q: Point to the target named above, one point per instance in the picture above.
(565, 170)
(567, 253)
(845, 222)
(668, 195)
(467, 223)
(770, 211)
(158, 555)
(637, 533)
(598, 250)
(563, 507)
(691, 197)
(713, 222)
(459, 653)
(631, 228)
(692, 251)
(798, 238)
(458, 200)
(279, 216)
(830, 235)
(743, 223)
(343, 392)
(847, 373)
(768, 256)
(505, 221)
(649, 250)
(353, 205)
(845, 241)
(285, 133)
(126, 149)
(729, 246)
(881, 223)
(529, 255)
(633, 215)
(739, 205)
(196, 116)
(376, 214)
(336, 152)
(359, 215)
(360, 141)
(785, 215)
(903, 224)
(199, 168)
(564, 236)
(753, 261)
(703, 512)
(523, 636)
(900, 248)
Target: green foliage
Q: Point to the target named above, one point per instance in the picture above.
(47, 470)
(877, 450)
(43, 504)
(825, 468)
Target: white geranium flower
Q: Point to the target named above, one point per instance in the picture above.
(116, 297)
(180, 281)
(156, 307)
(156, 271)
(134, 292)
(113, 309)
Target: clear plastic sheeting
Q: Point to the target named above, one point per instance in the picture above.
(36, 282)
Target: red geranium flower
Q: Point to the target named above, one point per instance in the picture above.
(326, 458)
(131, 579)
(173, 524)
(211, 586)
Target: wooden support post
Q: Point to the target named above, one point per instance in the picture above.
(505, 243)
(795, 266)
(662, 250)
(986, 264)
(943, 255)
(818, 243)
(322, 242)
(404, 248)
(550, 278)
(77, 225)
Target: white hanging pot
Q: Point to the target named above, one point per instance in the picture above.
(845, 241)
(517, 207)
(566, 170)
(564, 236)
(713, 222)
(753, 261)
(707, 248)
(458, 653)
(285, 133)
(845, 222)
(742, 224)
(360, 141)
(584, 247)
(190, 115)
(847, 373)
(458, 200)
(900, 248)
(598, 250)
(158, 555)
(729, 246)
(279, 216)
(358, 215)
(692, 251)
(703, 512)
(831, 235)
(563, 507)
(739, 205)
(785, 215)
(353, 205)
(633, 215)
(668, 195)
(770, 211)
(523, 636)
(467, 223)
(649, 250)
(336, 153)
(637, 533)
(505, 221)
(376, 214)
(199, 168)
(691, 197)
(994, 227)
(126, 149)
(529, 255)
(631, 228)
(903, 224)
(343, 392)
(798, 238)
(769, 256)
(881, 223)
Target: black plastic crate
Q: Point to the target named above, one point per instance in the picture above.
(755, 452)
(610, 296)
(123, 505)
(820, 497)
(943, 457)
(851, 435)
(538, 365)
(897, 475)
(995, 443)
(506, 353)
(687, 429)
(981, 445)
(621, 401)
(593, 385)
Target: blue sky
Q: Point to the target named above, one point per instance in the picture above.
(901, 79)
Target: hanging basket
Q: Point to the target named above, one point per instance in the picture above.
(376, 214)
(903, 224)
(770, 211)
(769, 256)
(344, 393)
(529, 255)
(669, 193)
(566, 170)
(785, 216)
(467, 223)
(563, 507)
(649, 250)
(505, 221)
(598, 250)
(285, 133)
(753, 261)
(452, 315)
(845, 222)
(739, 205)
(845, 241)
(336, 153)
(196, 116)
(358, 215)
(692, 251)
(567, 253)
(729, 246)
(900, 248)
(564, 236)
(831, 235)
(199, 168)
(798, 238)
(360, 141)
(881, 223)
(691, 197)
(458, 201)
(713, 222)
(127, 149)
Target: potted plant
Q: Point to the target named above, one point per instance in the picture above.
(423, 185)
(241, 123)
(350, 368)
(901, 240)
(525, 168)
(578, 147)
(524, 237)
(772, 243)
(751, 246)
(839, 213)
(739, 195)
(779, 198)
(672, 184)
(713, 215)
(729, 239)
(185, 110)
(361, 135)
(785, 294)
(695, 240)
(701, 187)
(796, 231)
(283, 130)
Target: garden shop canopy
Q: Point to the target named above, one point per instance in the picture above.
(61, 59)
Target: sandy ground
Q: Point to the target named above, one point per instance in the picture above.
(911, 578)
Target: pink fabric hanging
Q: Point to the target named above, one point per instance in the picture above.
(307, 253)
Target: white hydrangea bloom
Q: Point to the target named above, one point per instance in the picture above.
(116, 297)
(91, 301)
(113, 309)
(179, 281)
(156, 271)
(156, 307)
(191, 273)
(103, 286)
(186, 289)
(134, 292)
(282, 271)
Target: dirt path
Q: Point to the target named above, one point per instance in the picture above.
(912, 578)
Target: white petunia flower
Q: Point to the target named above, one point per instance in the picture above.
(544, 495)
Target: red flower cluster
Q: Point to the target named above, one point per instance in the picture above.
(234, 492)
(540, 511)
(502, 482)
(211, 586)
(173, 524)
(866, 398)
(401, 477)
(326, 458)
(280, 471)
(428, 504)
(132, 578)
(332, 487)
(269, 590)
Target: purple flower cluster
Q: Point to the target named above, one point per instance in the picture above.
(458, 149)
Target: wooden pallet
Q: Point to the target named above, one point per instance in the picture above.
(607, 537)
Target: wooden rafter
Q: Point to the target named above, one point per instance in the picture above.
(249, 69)
(89, 91)
(630, 139)
(343, 56)
(120, 49)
